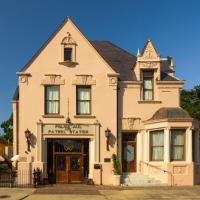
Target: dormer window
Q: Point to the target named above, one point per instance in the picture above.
(148, 85)
(68, 49)
(67, 54)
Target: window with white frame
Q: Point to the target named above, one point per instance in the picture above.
(83, 100)
(177, 144)
(148, 84)
(157, 145)
(52, 99)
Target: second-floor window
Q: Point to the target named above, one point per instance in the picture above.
(157, 145)
(52, 99)
(67, 54)
(177, 144)
(148, 85)
(83, 100)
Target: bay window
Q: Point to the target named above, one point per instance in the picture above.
(177, 144)
(157, 145)
(52, 99)
(83, 100)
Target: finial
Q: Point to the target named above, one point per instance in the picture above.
(138, 52)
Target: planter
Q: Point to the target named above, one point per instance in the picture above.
(116, 180)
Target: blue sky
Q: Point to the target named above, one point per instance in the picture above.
(172, 25)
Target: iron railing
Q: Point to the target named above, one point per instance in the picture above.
(158, 168)
(20, 178)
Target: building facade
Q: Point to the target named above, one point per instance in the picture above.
(78, 102)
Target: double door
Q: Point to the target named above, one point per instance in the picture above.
(69, 168)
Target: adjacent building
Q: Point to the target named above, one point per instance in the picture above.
(80, 101)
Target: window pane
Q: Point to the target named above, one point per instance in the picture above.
(67, 54)
(177, 137)
(157, 138)
(52, 93)
(148, 84)
(178, 153)
(157, 153)
(52, 107)
(83, 93)
(52, 100)
(83, 107)
(148, 95)
(148, 74)
(157, 145)
(178, 144)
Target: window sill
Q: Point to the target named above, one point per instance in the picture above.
(149, 102)
(84, 116)
(68, 63)
(52, 116)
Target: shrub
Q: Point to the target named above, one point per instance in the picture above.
(115, 161)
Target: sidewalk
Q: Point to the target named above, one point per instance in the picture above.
(86, 192)
(15, 193)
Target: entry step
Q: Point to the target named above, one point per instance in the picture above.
(137, 179)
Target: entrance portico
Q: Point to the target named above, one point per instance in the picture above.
(68, 151)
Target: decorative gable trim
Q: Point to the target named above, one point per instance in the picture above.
(149, 52)
(84, 79)
(53, 79)
(52, 36)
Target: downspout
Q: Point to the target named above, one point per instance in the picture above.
(17, 127)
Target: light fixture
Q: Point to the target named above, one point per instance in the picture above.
(107, 134)
(28, 139)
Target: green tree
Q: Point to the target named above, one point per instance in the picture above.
(7, 127)
(190, 101)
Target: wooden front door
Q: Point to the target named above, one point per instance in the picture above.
(76, 168)
(62, 169)
(129, 152)
(69, 168)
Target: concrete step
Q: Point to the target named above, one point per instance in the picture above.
(137, 179)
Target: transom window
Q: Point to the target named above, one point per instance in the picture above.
(177, 144)
(157, 145)
(67, 54)
(83, 100)
(148, 85)
(52, 99)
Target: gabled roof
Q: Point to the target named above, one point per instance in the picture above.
(44, 45)
(120, 60)
(149, 42)
(16, 94)
(167, 77)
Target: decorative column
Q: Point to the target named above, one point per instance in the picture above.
(97, 142)
(167, 146)
(91, 157)
(146, 146)
(189, 145)
(139, 147)
(39, 142)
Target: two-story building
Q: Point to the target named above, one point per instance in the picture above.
(78, 102)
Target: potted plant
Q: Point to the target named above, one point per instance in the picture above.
(116, 170)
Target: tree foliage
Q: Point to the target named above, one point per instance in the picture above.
(190, 101)
(7, 127)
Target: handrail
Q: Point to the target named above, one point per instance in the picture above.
(153, 166)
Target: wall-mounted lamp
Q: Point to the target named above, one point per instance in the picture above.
(28, 139)
(107, 134)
